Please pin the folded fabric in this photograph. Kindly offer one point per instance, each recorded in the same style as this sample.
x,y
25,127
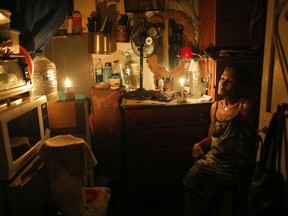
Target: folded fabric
x,y
68,160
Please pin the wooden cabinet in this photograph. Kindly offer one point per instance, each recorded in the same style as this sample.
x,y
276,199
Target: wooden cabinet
x,y
106,123
226,23
158,148
70,117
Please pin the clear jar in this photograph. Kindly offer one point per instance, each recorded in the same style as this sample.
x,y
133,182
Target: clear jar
x,y
44,80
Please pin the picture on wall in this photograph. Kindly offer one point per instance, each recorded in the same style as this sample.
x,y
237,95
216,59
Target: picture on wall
x,y
144,5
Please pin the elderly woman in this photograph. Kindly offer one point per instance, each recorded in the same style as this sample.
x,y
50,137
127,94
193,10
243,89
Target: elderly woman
x,y
231,145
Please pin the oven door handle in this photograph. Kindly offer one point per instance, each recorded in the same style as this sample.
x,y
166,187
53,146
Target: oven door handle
x,y
28,173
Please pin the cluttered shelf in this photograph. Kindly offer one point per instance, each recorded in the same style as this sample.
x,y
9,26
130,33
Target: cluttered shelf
x,y
189,101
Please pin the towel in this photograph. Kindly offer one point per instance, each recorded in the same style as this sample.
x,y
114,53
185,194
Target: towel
x,y
68,160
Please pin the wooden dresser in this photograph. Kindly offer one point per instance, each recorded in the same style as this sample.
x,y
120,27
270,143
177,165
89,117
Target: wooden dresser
x,y
158,148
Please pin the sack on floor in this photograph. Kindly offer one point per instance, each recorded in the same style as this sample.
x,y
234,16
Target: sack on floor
x,y
268,189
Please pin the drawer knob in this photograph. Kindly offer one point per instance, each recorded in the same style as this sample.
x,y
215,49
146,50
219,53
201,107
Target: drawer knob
x,y
201,117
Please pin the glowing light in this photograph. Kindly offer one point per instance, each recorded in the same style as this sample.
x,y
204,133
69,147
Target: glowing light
x,y
182,80
68,83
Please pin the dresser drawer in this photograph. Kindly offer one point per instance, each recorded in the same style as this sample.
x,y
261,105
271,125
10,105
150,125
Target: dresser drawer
x,y
167,116
161,156
169,136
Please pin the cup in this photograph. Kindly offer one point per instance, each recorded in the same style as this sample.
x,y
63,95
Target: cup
x,y
114,83
186,53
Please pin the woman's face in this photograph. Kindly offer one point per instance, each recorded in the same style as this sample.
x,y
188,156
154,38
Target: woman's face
x,y
228,84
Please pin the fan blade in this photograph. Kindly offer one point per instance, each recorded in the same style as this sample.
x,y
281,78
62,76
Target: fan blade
x,y
138,40
153,31
148,50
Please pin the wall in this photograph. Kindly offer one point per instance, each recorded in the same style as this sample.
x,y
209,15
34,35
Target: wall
x,y
70,54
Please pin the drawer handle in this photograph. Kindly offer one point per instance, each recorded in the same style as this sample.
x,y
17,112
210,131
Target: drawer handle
x,y
201,117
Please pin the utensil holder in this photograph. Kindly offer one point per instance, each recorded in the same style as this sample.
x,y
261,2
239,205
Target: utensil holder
x,y
122,33
99,43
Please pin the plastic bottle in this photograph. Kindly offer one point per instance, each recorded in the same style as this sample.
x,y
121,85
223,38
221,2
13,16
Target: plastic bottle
x,y
107,72
98,71
127,74
115,80
44,80
116,70
69,23
195,86
76,23
187,76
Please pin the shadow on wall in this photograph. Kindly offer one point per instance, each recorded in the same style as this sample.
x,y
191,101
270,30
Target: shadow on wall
x,y
72,60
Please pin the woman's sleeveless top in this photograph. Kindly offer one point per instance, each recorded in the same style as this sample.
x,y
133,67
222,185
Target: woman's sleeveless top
x,y
231,148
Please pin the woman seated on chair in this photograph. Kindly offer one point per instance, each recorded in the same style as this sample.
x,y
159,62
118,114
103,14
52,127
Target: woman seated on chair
x,y
231,144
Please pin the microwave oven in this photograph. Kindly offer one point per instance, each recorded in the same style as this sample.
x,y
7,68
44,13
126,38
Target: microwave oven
x,y
24,126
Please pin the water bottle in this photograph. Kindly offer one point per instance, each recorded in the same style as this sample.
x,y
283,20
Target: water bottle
x,y
127,73
116,69
107,72
195,86
115,79
44,80
98,71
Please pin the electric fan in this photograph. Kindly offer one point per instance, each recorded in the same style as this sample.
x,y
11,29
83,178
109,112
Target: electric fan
x,y
145,40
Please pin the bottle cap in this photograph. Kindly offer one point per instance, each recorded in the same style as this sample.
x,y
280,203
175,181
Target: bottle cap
x,y
108,64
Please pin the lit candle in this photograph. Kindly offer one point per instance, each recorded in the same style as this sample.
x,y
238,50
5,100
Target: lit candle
x,y
182,80
69,90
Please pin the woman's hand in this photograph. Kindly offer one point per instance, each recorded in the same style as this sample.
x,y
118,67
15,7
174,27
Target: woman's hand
x,y
197,151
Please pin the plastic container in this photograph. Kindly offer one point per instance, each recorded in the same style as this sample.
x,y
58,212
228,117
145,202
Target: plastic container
x,y
69,23
186,53
44,80
115,80
195,81
107,72
76,23
122,33
127,74
116,69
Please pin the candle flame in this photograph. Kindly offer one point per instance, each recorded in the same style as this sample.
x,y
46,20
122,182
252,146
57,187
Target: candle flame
x,y
182,80
68,83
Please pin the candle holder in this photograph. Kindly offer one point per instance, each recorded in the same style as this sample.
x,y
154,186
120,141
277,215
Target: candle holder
x,y
182,99
69,93
69,90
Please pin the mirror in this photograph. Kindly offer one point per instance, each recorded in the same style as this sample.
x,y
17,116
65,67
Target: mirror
x,y
182,22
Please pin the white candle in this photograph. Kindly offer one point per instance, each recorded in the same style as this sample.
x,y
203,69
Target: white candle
x,y
69,90
182,80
